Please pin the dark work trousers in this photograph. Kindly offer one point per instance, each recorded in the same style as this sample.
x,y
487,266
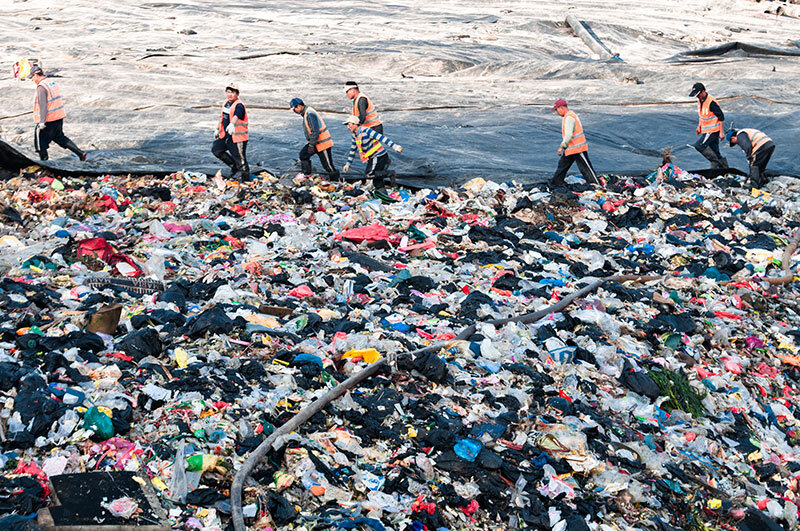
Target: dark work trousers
x,y
759,164
708,140
54,132
231,153
584,165
325,157
376,166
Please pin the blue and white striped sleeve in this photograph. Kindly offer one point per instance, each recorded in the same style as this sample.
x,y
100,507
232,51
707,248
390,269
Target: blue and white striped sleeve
x,y
379,137
352,153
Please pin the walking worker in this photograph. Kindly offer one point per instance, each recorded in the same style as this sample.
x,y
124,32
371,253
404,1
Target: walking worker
x,y
363,107
231,135
573,147
711,126
370,147
48,115
318,139
757,147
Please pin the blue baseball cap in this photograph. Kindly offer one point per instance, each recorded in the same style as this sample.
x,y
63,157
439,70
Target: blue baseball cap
x,y
295,102
729,135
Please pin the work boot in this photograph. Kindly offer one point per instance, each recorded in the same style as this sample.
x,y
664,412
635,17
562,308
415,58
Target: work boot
x,y
305,167
334,176
227,159
755,177
242,167
70,145
712,157
43,154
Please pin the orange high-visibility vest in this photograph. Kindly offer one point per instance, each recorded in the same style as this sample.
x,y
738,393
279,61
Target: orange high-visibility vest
x,y
757,138
373,147
577,143
55,106
371,119
240,128
708,120
324,140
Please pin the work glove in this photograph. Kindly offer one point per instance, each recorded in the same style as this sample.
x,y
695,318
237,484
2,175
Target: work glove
x,y
42,126
216,133
346,168
311,149
397,148
229,129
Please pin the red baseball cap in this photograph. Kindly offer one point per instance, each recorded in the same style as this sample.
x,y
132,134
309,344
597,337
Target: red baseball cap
x,y
559,103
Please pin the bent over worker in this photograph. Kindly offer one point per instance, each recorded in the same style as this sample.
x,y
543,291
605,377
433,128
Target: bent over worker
x,y
710,127
231,135
758,148
48,115
318,138
369,145
573,147
363,107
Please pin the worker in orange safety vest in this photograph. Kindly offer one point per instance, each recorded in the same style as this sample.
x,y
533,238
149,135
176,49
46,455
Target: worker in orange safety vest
x,y
318,139
231,134
573,147
758,148
48,115
710,126
363,107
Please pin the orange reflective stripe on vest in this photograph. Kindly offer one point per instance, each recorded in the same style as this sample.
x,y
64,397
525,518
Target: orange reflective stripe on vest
x,y
371,119
708,120
577,144
55,105
240,128
324,140
757,138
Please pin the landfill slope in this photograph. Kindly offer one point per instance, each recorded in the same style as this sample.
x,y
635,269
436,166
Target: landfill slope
x,y
168,325
466,86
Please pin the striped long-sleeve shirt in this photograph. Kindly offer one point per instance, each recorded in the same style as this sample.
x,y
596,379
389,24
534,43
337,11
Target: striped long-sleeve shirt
x,y
368,143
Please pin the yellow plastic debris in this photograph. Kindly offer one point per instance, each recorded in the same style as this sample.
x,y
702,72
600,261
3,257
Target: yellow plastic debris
x,y
181,358
370,355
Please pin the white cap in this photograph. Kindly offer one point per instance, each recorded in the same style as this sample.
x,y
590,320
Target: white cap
x,y
351,120
233,86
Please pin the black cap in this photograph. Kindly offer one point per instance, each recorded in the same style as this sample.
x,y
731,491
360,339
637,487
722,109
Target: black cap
x,y
37,70
697,88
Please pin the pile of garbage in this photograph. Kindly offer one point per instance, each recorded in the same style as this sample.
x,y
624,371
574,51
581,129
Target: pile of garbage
x,y
167,326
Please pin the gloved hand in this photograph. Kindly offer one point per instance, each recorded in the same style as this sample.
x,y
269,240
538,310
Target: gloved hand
x,y
216,133
698,130
346,168
397,148
311,149
42,126
229,129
